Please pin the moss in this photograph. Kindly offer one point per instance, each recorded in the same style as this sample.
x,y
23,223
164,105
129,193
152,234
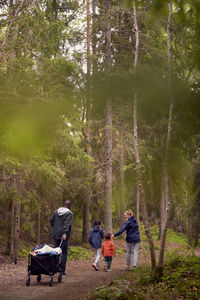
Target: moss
x,y
120,289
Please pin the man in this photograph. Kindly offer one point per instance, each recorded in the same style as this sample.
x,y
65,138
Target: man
x,y
61,222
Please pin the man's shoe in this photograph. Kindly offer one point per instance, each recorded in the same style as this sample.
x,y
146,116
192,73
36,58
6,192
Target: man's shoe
x,y
64,274
95,267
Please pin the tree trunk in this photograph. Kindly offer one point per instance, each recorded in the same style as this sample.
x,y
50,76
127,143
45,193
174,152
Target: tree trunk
x,y
16,231
17,220
39,226
148,232
166,197
86,213
108,131
94,39
135,127
12,17
9,247
122,205
162,208
108,169
139,189
137,157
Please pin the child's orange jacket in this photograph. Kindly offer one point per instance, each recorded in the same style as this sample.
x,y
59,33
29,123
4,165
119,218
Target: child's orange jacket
x,y
108,248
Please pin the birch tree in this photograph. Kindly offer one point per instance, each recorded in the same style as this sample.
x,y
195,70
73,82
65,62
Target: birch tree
x,y
139,188
165,200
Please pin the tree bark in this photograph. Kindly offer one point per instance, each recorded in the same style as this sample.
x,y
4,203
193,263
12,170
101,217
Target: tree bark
x,y
94,42
148,232
86,213
17,220
108,169
166,198
122,205
9,247
137,157
39,226
108,130
12,16
135,126
16,231
139,189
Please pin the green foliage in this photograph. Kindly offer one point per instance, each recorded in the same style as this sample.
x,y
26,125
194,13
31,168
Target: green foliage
x,y
183,269
119,289
120,251
180,279
80,253
44,109
172,236
23,253
176,237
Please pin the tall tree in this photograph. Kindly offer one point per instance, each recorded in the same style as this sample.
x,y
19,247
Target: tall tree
x,y
139,185
108,127
165,200
86,215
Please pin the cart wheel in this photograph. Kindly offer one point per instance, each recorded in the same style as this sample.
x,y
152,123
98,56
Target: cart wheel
x,y
39,278
28,281
51,282
60,277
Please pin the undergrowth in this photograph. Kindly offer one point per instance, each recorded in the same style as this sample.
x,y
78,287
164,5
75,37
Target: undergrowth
x,y
172,236
74,252
180,277
78,252
180,280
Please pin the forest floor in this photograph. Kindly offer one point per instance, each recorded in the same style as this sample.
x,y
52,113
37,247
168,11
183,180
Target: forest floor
x,y
81,278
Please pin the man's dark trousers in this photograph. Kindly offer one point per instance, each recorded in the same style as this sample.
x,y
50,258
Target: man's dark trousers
x,y
64,248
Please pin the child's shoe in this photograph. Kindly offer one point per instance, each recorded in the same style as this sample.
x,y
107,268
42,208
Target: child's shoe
x,y
95,267
109,270
127,268
105,267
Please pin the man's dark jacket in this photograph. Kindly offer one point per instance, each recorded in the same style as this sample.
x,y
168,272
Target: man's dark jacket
x,y
61,222
132,231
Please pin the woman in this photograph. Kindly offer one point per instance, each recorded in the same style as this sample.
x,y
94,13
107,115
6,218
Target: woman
x,y
132,237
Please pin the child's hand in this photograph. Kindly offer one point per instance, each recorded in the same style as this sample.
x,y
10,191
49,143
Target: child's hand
x,y
112,236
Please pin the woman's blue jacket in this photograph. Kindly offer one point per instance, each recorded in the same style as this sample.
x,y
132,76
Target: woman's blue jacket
x,y
132,231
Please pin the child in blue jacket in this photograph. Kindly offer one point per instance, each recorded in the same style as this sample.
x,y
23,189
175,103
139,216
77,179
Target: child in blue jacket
x,y
95,240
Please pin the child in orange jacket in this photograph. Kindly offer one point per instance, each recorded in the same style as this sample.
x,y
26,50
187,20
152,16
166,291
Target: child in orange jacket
x,y
108,249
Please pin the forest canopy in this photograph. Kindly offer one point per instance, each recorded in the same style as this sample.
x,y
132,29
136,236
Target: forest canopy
x,y
99,104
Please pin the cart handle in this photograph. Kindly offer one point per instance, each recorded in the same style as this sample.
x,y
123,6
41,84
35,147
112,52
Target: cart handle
x,y
60,244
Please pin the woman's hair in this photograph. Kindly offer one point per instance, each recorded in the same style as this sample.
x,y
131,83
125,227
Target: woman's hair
x,y
107,236
129,212
97,223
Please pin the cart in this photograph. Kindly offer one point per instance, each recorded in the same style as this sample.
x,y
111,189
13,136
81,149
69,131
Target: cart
x,y
47,264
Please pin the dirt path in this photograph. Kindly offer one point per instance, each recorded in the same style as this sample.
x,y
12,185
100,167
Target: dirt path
x,y
81,279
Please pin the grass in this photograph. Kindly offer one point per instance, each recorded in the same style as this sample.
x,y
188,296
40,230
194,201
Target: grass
x,y
79,252
172,236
